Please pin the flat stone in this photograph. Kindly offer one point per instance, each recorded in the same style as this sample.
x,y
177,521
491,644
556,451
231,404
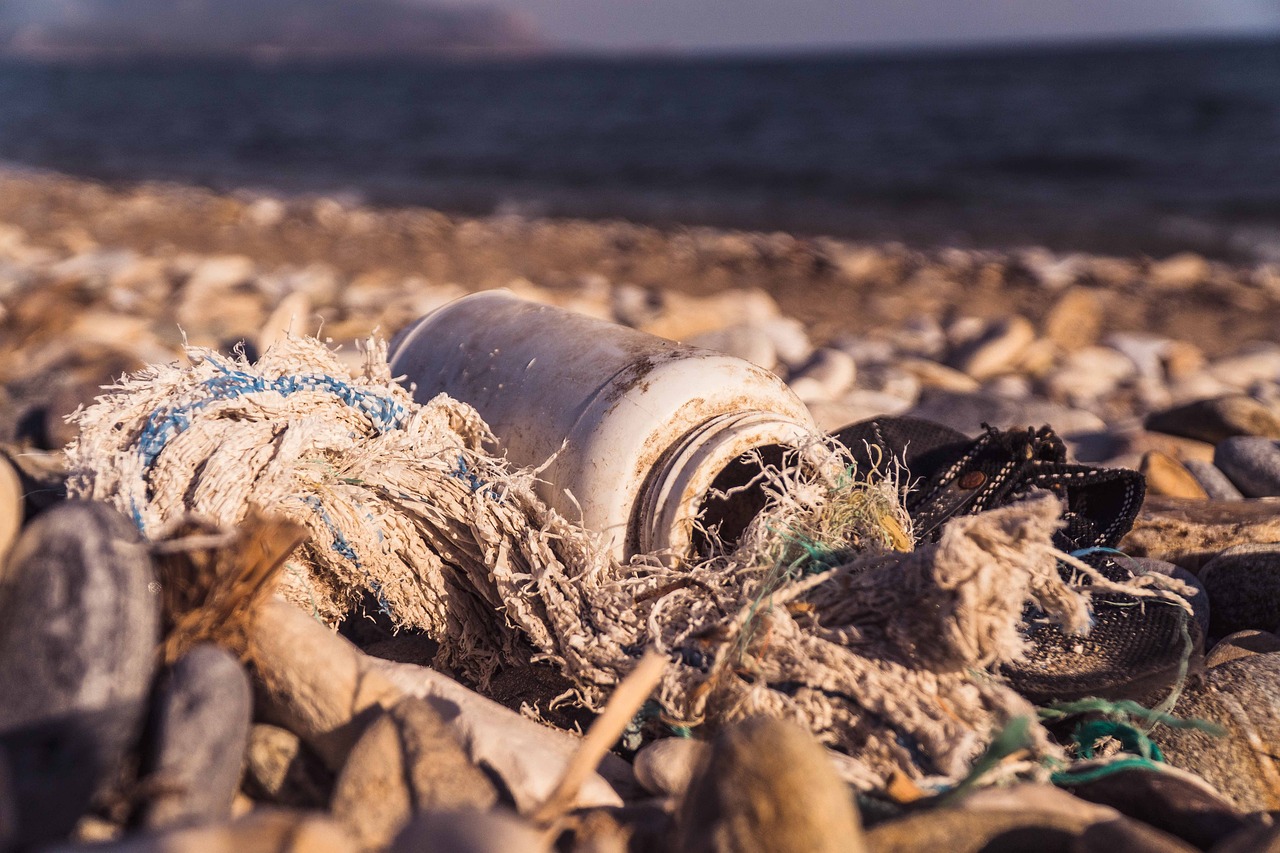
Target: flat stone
x,y
1240,696
1178,272
767,785
968,412
998,350
1215,483
1191,532
199,731
1252,463
1244,588
666,766
1088,374
855,407
790,340
931,374
1168,477
1242,644
1243,370
1217,419
79,623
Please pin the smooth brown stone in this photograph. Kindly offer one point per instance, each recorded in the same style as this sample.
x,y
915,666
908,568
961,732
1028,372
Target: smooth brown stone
x,y
1217,419
1168,477
1242,644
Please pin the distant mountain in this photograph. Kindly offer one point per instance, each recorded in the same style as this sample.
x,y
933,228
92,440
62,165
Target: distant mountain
x,y
258,29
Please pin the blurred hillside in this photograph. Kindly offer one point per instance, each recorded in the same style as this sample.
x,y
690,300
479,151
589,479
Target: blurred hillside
x,y
275,29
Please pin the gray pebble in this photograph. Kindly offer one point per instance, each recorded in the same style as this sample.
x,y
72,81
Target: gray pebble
x,y
199,731
967,413
1212,480
1252,463
78,628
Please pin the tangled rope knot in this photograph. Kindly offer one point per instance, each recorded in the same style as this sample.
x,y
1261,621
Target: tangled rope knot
x,y
888,657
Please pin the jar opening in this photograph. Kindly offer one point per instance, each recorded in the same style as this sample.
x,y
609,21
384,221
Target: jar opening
x,y
735,498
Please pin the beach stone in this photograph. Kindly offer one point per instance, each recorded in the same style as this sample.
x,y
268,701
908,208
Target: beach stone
x,y
747,342
1242,644
931,374
1088,374
280,769
635,306
406,761
1217,419
1215,483
495,831
199,732
1247,368
1244,588
1178,272
1042,817
1075,320
1241,696
855,407
666,766
998,350
11,507
828,375
1168,477
791,342
968,412
922,337
1009,387
261,831
1172,802
1189,533
79,623
1251,463
1140,441
889,379
767,787
867,351
291,316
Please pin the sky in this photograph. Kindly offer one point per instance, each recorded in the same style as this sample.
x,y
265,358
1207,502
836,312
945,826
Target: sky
x,y
822,24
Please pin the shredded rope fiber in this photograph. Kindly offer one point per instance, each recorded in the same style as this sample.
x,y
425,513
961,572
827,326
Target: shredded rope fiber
x,y
817,614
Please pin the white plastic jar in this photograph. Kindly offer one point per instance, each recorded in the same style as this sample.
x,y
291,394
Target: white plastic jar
x,y
641,428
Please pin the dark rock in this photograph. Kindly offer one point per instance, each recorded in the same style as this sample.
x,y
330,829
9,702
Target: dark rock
x,y
199,731
78,629
1215,483
1189,533
1171,802
1253,464
1244,588
767,786
1241,697
1241,644
1217,419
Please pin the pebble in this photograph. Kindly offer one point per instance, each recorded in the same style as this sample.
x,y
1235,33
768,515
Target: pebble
x,y
11,508
405,761
1075,320
1168,477
198,734
495,831
967,413
1251,463
281,770
1243,583
1244,369
1217,419
1178,272
827,376
666,766
791,342
1240,696
1173,802
78,629
1242,644
931,374
1212,480
1088,374
767,787
1189,533
998,350
262,831
748,342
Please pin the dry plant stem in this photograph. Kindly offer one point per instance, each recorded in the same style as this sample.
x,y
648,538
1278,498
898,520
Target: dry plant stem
x,y
604,732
